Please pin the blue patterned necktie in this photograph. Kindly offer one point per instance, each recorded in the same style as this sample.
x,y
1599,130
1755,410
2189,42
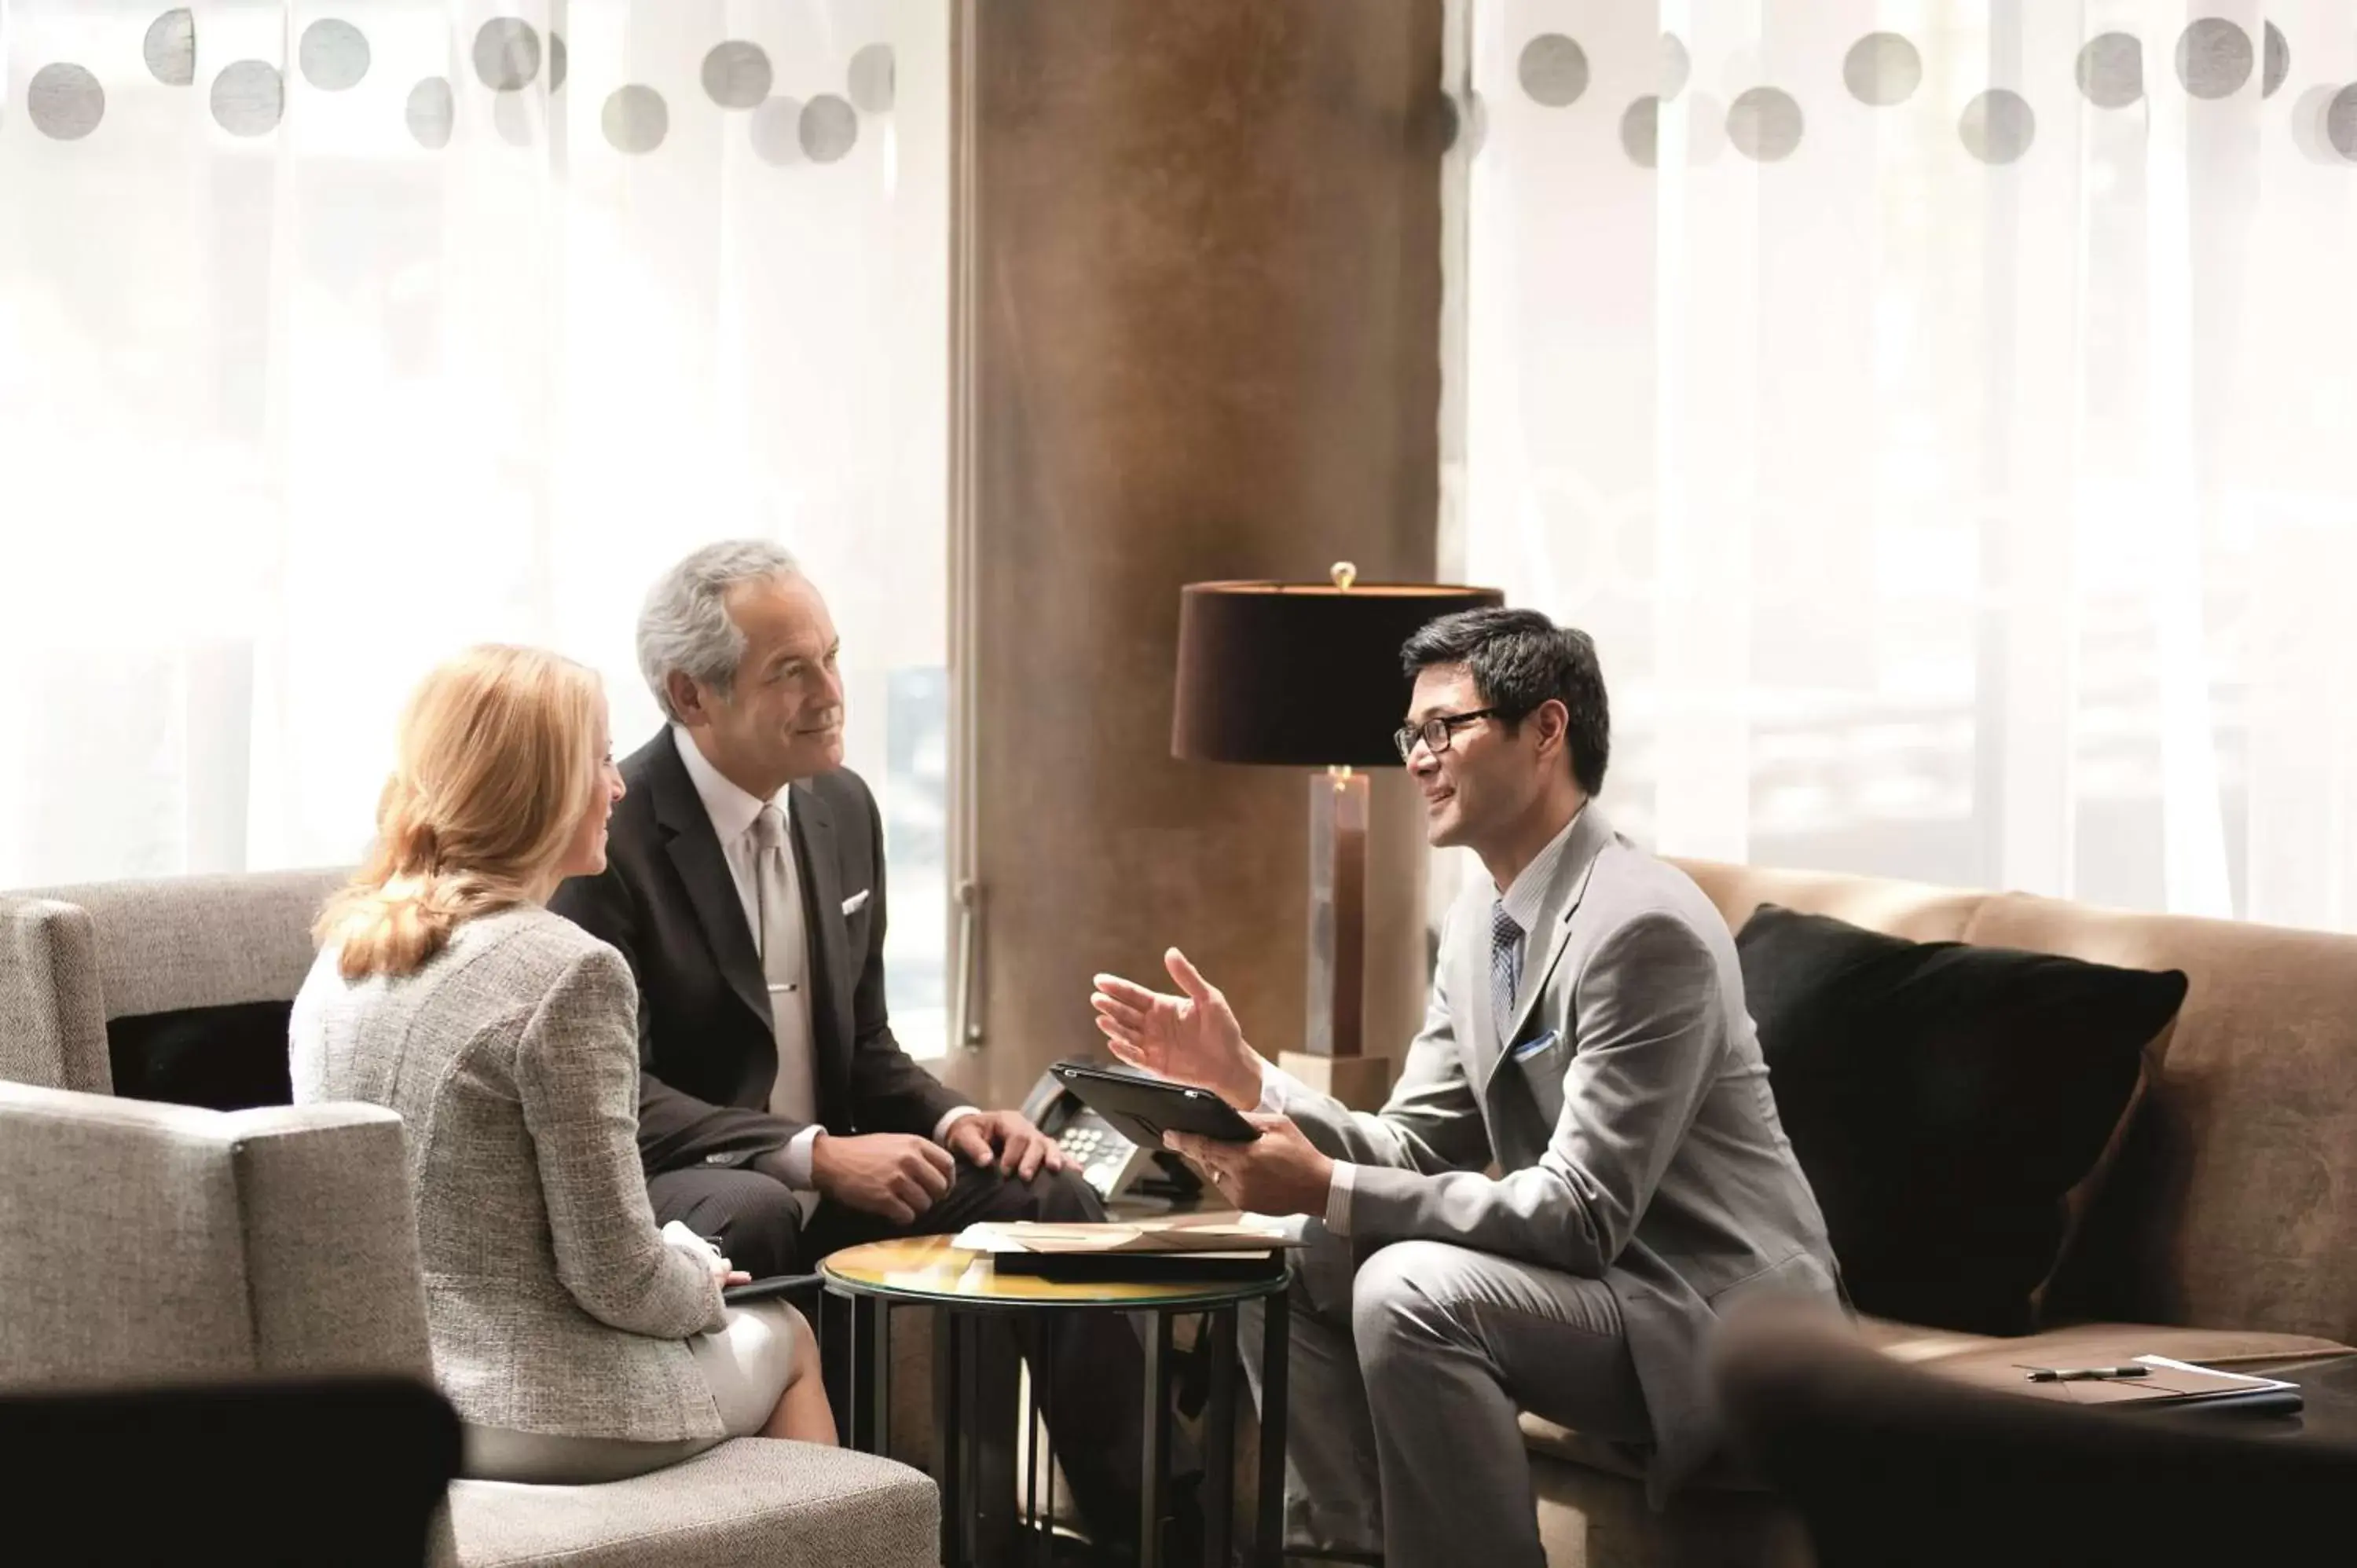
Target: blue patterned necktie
x,y
1505,965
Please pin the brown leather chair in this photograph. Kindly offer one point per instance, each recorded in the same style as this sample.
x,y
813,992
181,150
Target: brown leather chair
x,y
1892,1463
301,1470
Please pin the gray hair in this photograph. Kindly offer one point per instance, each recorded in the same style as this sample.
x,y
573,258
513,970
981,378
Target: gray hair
x,y
684,624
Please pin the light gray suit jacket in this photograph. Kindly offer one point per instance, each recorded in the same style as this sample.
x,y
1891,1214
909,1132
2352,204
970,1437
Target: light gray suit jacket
x,y
512,1056
1639,1148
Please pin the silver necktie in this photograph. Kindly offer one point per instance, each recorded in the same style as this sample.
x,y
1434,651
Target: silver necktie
x,y
785,965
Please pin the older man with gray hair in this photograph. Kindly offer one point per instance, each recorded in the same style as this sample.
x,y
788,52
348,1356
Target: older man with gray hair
x,y
745,884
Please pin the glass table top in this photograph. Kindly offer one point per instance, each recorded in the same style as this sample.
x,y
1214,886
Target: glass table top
x,y
928,1268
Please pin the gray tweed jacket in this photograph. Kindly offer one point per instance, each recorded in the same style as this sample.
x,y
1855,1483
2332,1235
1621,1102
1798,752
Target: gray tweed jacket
x,y
555,1304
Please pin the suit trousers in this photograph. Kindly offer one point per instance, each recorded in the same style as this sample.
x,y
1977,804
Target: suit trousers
x,y
1409,1364
1094,1399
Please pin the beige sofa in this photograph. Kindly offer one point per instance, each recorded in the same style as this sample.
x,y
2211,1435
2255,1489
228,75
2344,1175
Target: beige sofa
x,y
2233,1205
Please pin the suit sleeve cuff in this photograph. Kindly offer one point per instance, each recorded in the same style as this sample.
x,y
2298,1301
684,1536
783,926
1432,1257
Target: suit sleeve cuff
x,y
794,1159
1337,1198
950,1118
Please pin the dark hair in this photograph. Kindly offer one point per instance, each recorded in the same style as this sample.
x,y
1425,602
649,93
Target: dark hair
x,y
1518,659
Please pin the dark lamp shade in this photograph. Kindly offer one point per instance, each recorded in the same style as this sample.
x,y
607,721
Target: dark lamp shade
x,y
1303,674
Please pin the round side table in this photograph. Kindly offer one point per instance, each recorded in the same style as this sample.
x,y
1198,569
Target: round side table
x,y
964,1289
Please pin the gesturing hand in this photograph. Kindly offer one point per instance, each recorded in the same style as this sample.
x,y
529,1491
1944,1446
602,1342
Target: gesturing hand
x,y
1192,1039
896,1174
1008,1139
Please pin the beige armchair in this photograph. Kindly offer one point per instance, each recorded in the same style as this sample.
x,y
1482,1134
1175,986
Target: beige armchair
x,y
146,1243
281,1241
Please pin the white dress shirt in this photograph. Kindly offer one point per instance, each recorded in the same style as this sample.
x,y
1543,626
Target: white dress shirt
x,y
733,811
1522,901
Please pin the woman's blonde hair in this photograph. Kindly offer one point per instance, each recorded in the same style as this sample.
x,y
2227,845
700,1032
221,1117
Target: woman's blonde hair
x,y
498,758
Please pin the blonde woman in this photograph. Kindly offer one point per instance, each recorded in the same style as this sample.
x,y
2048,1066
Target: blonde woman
x,y
578,1342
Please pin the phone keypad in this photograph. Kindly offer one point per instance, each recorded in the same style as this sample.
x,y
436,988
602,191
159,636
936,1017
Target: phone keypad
x,y
1097,1151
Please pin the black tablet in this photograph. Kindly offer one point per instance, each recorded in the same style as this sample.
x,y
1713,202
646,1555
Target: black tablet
x,y
1142,1109
774,1285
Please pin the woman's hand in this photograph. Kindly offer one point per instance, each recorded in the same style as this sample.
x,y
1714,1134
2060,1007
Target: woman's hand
x,y
724,1272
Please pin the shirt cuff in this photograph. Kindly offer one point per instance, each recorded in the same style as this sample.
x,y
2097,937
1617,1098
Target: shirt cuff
x,y
950,1118
794,1159
1337,1198
1279,1089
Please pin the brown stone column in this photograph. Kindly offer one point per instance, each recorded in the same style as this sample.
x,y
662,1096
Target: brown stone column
x,y
1203,339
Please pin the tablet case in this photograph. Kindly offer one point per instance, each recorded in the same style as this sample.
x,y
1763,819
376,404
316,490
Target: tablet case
x,y
1142,1109
1174,1268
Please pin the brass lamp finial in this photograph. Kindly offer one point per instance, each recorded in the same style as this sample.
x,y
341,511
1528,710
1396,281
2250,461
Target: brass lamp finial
x,y
1345,574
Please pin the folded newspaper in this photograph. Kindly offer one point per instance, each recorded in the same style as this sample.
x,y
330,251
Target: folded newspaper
x,y
1224,1233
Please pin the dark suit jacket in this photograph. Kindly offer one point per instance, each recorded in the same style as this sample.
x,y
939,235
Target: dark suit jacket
x,y
708,1052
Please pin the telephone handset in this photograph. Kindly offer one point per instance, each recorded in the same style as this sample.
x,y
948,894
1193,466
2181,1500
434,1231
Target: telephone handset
x,y
1108,1162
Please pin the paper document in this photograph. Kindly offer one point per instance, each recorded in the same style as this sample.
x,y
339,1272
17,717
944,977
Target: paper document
x,y
2162,1382
1250,1233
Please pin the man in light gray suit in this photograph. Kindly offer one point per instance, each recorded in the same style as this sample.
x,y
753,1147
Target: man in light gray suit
x,y
1587,1040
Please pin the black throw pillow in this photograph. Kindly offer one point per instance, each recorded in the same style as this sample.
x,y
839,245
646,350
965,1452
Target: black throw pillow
x,y
1942,1099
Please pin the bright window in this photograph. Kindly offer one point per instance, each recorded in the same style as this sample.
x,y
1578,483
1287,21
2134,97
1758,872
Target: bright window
x,y
333,338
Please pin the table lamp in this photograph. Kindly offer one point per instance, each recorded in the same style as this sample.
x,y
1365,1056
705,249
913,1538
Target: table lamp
x,y
1308,675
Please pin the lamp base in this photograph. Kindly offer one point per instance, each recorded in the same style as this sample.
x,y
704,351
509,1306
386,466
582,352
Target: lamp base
x,y
1359,1082
1333,1025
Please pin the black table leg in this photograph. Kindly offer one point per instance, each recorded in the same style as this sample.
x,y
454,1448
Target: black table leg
x,y
1268,1542
871,1362
836,1312
982,1520
1157,1446
1041,1435
949,1439
1220,1439
992,1412
1031,1466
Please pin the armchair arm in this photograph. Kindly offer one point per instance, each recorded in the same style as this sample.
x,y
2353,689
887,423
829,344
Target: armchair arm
x,y
330,1240
52,1018
278,1241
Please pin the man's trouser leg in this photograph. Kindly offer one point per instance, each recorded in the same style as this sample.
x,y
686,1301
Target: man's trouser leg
x,y
753,1216
1452,1344
1408,1373
1330,1498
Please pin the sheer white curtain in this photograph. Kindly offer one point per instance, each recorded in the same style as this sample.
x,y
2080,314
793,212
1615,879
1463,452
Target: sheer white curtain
x,y
1940,412
334,336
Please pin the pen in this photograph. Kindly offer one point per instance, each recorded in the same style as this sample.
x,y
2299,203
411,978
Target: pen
x,y
2083,1374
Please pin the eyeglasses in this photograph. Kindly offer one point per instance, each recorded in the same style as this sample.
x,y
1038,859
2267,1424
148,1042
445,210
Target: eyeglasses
x,y
1435,731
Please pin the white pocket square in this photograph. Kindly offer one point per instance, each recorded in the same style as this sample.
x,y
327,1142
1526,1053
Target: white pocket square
x,y
857,902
